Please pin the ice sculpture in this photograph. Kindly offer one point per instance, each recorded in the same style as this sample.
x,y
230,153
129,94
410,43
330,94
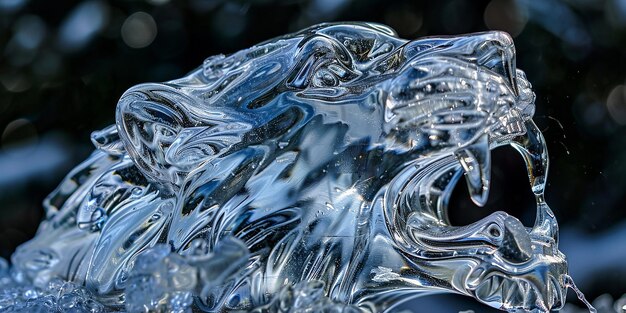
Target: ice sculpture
x,y
311,170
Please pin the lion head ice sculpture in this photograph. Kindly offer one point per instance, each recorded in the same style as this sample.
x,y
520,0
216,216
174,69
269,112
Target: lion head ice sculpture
x,y
331,154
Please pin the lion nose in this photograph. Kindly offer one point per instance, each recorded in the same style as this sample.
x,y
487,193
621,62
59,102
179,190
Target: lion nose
x,y
493,50
516,243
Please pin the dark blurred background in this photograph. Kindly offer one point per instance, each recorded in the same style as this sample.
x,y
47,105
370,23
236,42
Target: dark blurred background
x,y
64,64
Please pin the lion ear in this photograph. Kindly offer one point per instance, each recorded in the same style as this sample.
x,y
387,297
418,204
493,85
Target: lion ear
x,y
149,118
313,52
167,135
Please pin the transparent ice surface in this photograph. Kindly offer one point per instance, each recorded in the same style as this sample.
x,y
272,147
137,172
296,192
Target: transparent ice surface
x,y
309,172
57,295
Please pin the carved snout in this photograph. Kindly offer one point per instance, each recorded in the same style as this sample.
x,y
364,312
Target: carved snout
x,y
516,243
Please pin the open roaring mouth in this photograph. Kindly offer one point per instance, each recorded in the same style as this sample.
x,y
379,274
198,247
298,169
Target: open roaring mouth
x,y
481,95
498,260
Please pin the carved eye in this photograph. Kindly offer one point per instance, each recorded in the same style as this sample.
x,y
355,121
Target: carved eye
x,y
325,78
494,231
164,132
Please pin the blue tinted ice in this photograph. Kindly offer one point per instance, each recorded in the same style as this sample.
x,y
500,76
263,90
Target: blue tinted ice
x,y
311,171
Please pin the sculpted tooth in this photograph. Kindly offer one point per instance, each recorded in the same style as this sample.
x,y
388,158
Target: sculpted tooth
x,y
504,289
476,162
529,296
494,288
532,147
511,293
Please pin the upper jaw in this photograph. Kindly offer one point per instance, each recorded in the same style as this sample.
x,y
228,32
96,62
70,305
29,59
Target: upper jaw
x,y
510,122
493,51
507,125
468,83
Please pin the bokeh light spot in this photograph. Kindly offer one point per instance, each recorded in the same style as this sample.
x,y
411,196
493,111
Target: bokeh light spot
x,y
139,30
616,104
30,31
158,2
405,20
232,16
11,5
19,132
15,82
506,15
457,16
81,24
615,11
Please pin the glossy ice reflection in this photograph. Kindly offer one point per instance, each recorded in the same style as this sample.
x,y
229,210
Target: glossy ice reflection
x,y
309,171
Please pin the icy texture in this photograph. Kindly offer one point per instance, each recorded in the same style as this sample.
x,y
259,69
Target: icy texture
x,y
57,295
305,297
322,160
162,281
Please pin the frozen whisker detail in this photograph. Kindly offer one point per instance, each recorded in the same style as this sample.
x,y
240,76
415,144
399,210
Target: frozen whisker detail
x,y
309,172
